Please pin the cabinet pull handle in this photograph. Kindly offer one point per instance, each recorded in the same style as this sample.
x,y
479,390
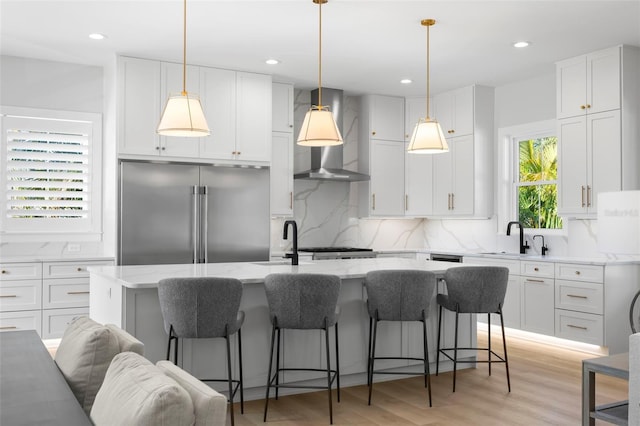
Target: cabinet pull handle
x,y
406,202
4,271
79,269
583,107
582,195
239,153
163,148
157,148
536,269
577,272
577,326
449,201
577,296
534,281
588,105
453,201
291,200
452,131
373,133
77,292
8,327
8,296
373,199
588,196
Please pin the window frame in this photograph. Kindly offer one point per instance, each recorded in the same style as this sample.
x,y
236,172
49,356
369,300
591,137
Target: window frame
x,y
90,228
508,172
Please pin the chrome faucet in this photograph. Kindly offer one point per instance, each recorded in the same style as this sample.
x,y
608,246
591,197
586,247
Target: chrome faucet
x,y
294,254
523,244
543,248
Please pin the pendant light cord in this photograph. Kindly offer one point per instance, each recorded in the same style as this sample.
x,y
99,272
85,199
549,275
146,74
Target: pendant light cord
x,y
428,66
184,50
320,55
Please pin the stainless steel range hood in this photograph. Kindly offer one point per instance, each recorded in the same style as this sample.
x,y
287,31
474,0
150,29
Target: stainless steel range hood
x,y
326,162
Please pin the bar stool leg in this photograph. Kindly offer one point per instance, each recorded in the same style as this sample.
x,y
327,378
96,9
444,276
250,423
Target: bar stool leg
x,y
504,344
373,358
427,381
326,340
241,375
455,351
278,364
269,377
337,362
438,351
489,337
369,352
229,378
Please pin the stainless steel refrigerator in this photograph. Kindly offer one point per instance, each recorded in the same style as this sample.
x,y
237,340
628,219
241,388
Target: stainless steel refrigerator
x,y
185,213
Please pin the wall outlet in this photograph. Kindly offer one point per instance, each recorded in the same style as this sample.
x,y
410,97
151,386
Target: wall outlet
x,y
73,248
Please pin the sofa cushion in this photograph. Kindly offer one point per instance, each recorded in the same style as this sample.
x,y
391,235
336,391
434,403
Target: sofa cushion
x,y
83,357
126,342
136,392
210,407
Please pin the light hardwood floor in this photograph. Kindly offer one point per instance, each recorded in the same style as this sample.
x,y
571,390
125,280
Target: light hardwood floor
x,y
545,390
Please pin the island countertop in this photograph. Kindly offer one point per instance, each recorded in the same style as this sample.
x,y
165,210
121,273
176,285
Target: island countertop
x,y
147,276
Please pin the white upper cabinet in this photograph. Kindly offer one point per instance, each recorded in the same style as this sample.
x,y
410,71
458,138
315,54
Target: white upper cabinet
x,y
454,111
282,151
463,177
139,106
598,128
282,111
418,172
218,96
381,158
253,119
237,106
588,84
171,84
386,118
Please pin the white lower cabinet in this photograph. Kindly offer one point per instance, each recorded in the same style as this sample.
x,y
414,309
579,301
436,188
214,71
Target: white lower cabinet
x,y
537,304
44,296
587,328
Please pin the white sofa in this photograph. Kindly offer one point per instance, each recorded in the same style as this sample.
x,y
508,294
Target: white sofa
x,y
634,379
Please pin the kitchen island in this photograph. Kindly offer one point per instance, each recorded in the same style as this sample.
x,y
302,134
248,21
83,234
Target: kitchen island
x,y
127,296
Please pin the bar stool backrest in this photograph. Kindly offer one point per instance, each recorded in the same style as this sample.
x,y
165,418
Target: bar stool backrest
x,y
302,301
399,295
477,289
200,307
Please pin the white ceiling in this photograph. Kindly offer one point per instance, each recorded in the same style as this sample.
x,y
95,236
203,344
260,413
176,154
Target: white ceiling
x,y
368,46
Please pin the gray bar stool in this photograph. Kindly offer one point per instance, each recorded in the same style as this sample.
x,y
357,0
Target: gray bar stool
x,y
474,290
204,308
398,295
302,302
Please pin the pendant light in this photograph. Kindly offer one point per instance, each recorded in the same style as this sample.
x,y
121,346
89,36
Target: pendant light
x,y
182,114
319,127
427,136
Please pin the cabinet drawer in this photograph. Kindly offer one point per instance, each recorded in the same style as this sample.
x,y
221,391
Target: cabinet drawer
x,y
24,320
583,297
65,293
20,295
575,272
20,271
55,321
512,265
537,269
70,269
587,328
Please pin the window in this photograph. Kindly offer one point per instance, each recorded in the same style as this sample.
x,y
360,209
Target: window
x,y
527,176
536,182
51,170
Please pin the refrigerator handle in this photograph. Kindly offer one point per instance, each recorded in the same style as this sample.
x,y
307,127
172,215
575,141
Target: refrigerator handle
x,y
204,219
196,223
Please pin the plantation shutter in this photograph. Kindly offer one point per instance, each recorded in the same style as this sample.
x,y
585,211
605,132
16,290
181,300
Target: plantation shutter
x,y
48,179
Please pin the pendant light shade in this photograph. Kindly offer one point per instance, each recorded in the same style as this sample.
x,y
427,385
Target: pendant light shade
x,y
319,127
183,115
427,136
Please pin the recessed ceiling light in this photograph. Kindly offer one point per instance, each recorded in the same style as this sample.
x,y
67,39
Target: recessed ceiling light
x,y
272,62
97,36
520,44
406,81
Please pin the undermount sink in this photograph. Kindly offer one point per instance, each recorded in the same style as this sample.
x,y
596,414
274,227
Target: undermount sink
x,y
278,262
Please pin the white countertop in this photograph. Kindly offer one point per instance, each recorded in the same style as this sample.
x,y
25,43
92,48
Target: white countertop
x,y
54,258
556,259
147,276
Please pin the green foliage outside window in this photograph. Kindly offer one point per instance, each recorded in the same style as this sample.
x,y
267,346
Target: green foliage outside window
x,y
536,187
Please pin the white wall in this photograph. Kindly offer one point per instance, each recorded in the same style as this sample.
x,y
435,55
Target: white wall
x,y
35,83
